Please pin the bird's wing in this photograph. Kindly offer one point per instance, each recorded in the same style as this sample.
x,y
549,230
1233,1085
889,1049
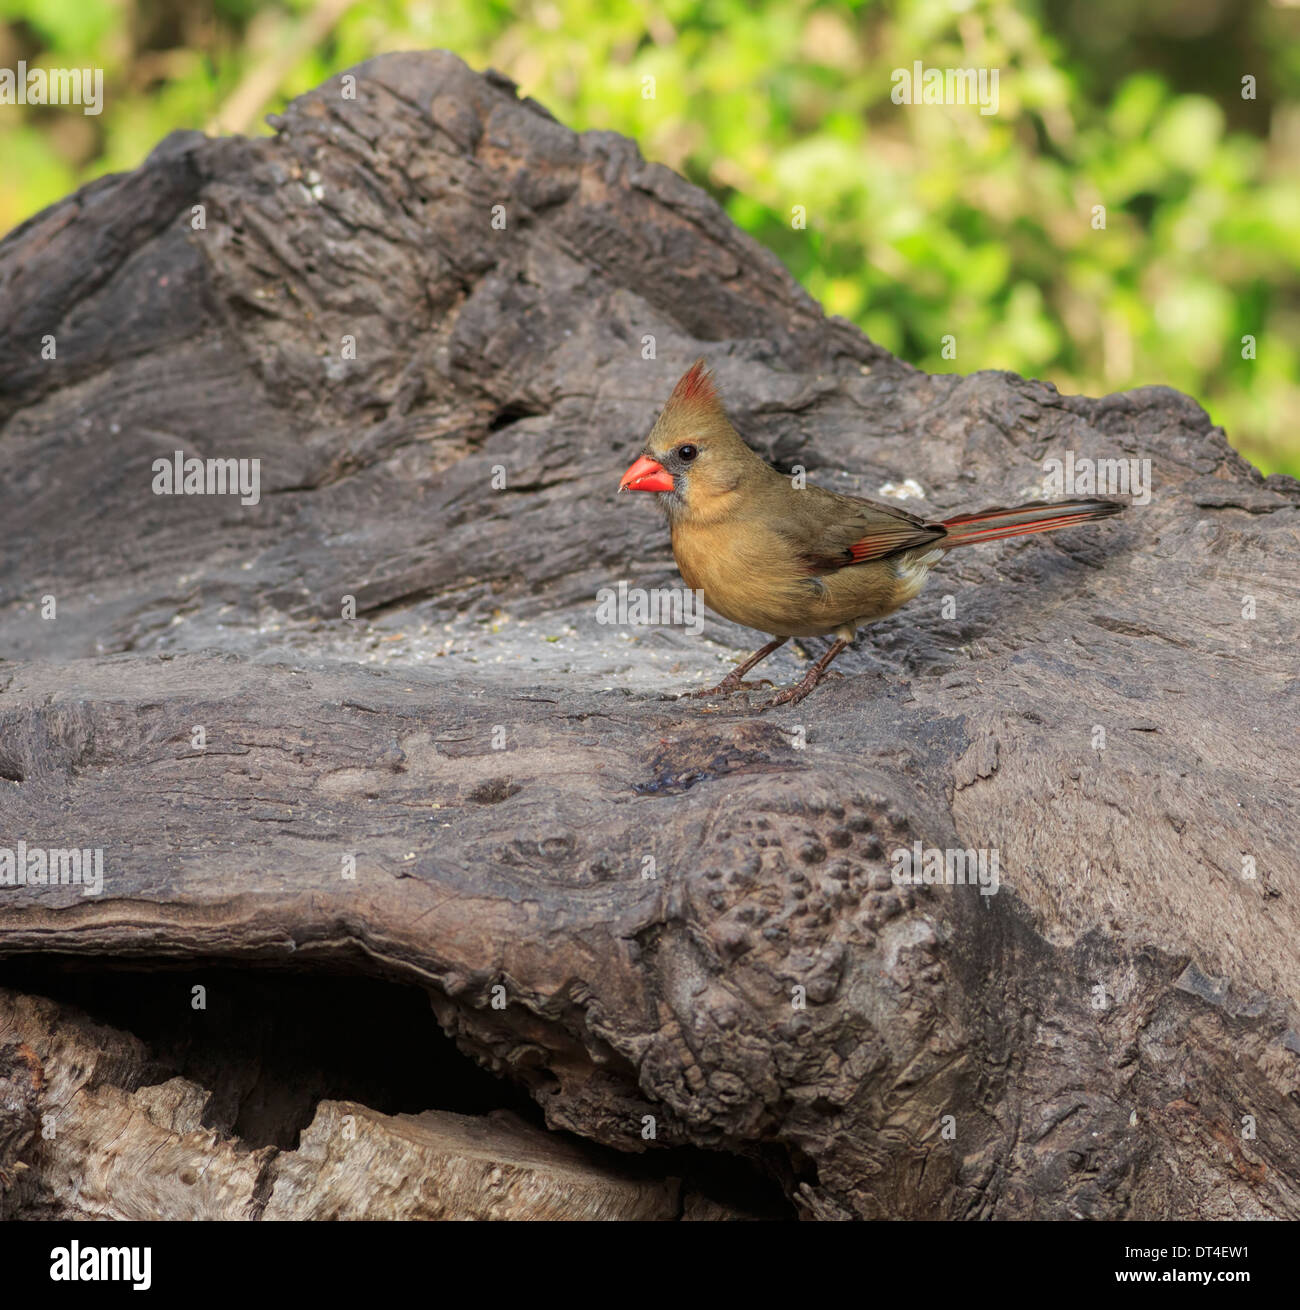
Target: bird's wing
x,y
830,531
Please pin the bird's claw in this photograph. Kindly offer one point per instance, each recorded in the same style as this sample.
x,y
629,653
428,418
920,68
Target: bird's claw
x,y
726,688
793,695
790,696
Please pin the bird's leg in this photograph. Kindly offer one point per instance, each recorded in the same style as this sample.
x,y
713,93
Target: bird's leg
x,y
793,695
733,680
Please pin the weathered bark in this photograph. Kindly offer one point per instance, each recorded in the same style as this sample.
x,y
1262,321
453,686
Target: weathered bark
x,y
1088,1041
107,1140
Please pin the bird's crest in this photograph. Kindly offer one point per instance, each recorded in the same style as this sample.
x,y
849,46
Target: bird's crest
x,y
695,390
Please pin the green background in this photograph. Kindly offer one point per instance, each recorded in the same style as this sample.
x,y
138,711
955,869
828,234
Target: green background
x,y
922,221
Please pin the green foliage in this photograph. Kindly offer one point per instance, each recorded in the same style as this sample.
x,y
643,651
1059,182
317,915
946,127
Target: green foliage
x,y
923,221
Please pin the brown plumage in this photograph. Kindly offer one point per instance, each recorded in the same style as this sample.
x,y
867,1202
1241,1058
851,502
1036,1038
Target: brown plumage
x,y
797,562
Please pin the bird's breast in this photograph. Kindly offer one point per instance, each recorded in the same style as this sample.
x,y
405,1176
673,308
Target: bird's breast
x,y
736,568
753,576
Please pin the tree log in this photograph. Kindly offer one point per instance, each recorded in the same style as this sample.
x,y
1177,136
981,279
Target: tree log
x,y
673,924
112,1142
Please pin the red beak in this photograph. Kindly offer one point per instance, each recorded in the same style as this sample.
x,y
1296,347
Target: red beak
x,y
646,475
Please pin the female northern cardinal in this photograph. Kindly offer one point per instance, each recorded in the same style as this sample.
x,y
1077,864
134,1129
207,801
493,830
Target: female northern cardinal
x,y
797,562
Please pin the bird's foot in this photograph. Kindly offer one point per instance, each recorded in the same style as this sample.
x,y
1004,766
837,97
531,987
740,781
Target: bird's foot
x,y
793,695
728,686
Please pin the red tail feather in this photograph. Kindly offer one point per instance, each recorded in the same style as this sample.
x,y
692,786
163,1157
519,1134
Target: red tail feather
x,y
1038,516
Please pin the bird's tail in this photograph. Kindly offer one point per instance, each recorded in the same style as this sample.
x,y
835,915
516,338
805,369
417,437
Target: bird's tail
x,y
1038,516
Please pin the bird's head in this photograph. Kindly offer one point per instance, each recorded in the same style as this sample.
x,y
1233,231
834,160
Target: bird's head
x,y
693,457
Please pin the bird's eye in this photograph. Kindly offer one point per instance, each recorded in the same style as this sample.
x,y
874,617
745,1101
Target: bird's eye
x,y
687,453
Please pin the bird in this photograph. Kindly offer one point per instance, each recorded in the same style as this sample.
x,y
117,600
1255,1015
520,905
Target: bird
x,y
791,559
